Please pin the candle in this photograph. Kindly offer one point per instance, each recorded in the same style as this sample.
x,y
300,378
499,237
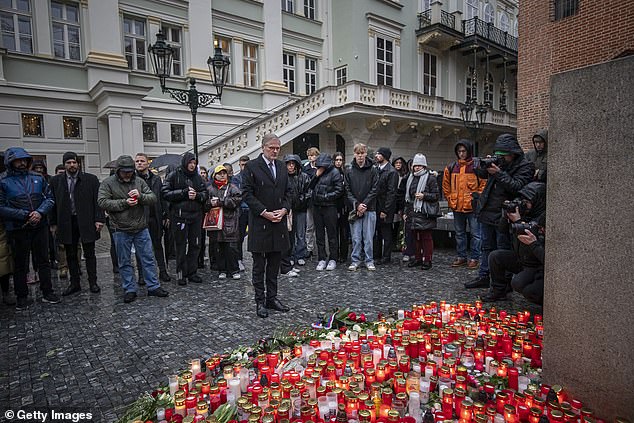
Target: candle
x,y
447,402
234,387
173,384
513,375
195,366
179,406
160,414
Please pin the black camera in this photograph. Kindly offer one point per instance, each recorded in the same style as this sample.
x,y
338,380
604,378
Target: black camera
x,y
486,162
509,206
520,227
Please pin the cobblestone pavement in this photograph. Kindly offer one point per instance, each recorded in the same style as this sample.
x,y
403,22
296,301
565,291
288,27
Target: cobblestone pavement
x,y
94,353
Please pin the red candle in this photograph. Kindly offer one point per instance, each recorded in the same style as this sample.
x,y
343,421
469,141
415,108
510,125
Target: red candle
x,y
447,402
513,375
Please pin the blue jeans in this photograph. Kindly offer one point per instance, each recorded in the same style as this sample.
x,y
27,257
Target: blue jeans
x,y
143,246
362,231
299,229
460,224
492,240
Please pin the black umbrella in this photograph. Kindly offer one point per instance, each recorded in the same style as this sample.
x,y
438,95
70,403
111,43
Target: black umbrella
x,y
166,160
110,165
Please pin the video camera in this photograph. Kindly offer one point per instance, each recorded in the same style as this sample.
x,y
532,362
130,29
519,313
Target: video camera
x,y
486,162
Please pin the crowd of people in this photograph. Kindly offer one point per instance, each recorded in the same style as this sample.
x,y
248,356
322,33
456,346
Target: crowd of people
x,y
294,213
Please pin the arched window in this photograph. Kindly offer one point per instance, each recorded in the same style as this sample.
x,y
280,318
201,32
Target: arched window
x,y
488,90
471,9
471,94
425,5
489,14
504,22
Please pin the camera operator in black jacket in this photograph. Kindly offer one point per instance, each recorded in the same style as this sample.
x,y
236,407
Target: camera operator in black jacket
x,y
507,172
525,221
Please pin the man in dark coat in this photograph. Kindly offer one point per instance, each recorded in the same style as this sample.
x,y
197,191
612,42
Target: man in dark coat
x,y
25,201
77,217
266,190
186,192
539,155
385,206
156,214
504,181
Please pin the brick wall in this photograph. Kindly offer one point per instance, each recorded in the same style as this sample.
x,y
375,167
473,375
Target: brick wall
x,y
600,31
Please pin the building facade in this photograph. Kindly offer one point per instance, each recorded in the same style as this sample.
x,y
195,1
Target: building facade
x,y
561,35
77,75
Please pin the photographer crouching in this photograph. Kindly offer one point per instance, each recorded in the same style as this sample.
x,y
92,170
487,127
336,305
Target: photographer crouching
x,y
525,221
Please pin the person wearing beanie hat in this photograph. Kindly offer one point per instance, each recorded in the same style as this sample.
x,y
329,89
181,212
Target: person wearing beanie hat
x,y
462,187
298,182
385,206
77,218
421,211
69,155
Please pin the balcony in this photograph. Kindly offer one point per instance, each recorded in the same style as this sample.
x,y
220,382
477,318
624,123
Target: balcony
x,y
478,30
437,28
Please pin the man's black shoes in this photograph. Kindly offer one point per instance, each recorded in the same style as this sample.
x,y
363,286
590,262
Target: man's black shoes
x,y
158,292
261,311
23,303
493,296
71,290
94,288
479,282
128,297
182,282
164,277
415,263
277,306
195,279
51,298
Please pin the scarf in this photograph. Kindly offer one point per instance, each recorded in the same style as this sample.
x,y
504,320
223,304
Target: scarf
x,y
422,183
220,184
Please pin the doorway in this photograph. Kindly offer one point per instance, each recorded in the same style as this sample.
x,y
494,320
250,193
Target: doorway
x,y
303,143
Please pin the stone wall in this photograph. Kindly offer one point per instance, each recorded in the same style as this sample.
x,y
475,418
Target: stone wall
x,y
589,287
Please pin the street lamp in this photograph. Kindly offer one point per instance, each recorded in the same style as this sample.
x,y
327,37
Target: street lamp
x,y
162,55
466,113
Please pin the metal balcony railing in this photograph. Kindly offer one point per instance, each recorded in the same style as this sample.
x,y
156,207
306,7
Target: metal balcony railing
x,y
424,19
480,28
447,19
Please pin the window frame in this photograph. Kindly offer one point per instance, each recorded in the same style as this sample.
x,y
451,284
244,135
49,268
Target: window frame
x,y
565,8
18,36
489,13
66,24
471,9
221,42
288,6
155,126
180,127
177,59
310,75
247,74
504,22
81,128
41,118
428,88
310,11
135,38
341,75
289,71
384,62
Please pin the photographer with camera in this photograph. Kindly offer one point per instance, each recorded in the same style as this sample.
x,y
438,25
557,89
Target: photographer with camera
x,y
507,172
525,221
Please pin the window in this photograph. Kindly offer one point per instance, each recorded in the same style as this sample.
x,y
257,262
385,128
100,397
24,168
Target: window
x,y
488,90
309,9
32,125
134,42
505,26
311,75
225,46
72,127
288,66
489,14
178,134
565,8
287,6
503,91
471,86
174,39
341,75
15,20
425,5
66,39
149,132
471,9
384,61
250,63
430,74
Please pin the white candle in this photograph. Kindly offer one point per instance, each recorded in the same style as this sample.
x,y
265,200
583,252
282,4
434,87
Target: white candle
x,y
173,384
414,405
376,355
160,414
487,362
401,314
195,367
244,379
234,387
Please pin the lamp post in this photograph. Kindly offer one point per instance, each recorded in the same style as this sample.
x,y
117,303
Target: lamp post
x,y
162,55
474,125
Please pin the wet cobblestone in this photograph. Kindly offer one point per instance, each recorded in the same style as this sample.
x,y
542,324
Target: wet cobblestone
x,y
94,353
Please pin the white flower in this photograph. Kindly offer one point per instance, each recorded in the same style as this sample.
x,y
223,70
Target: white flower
x,y
356,328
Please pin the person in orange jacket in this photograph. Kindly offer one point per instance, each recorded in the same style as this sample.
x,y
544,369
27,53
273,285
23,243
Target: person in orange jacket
x,y
461,187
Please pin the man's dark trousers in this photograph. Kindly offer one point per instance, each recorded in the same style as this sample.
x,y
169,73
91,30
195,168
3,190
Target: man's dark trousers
x,y
383,239
73,260
186,234
34,241
265,265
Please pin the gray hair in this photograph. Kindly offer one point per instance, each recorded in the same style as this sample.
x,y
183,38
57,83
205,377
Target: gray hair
x,y
268,137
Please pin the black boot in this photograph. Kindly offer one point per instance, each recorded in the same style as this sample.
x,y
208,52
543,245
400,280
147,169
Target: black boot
x,y
493,296
72,288
164,277
479,282
94,288
277,305
261,311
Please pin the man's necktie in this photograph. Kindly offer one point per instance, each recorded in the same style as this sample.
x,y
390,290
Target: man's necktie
x,y
272,169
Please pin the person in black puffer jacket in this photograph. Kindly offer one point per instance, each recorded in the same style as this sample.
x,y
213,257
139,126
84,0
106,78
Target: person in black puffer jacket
x,y
503,183
327,187
526,259
298,181
186,193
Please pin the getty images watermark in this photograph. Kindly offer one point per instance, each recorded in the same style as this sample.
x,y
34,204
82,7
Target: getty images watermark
x,y
58,416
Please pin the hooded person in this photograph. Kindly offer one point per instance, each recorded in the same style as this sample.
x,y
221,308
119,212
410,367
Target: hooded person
x,y
462,187
25,202
186,193
124,196
526,258
327,187
298,181
386,195
504,181
539,154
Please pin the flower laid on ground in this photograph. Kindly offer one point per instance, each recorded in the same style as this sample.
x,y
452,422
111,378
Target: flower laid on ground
x,y
435,362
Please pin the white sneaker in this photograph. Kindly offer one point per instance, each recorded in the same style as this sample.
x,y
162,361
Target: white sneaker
x,y
222,276
295,269
240,265
291,274
405,259
370,266
332,265
301,262
321,265
353,267
236,276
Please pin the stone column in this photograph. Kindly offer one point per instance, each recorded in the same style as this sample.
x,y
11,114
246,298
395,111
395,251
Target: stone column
x,y
300,76
273,78
237,62
200,44
115,134
102,33
42,29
